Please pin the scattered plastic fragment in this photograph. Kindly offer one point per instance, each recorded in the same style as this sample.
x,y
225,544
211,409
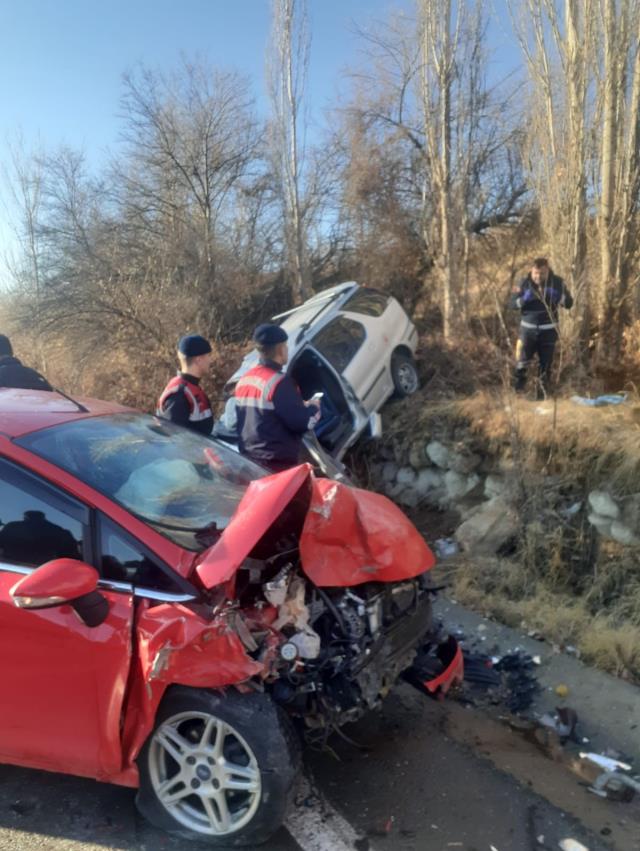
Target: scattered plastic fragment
x,y
568,719
600,401
615,786
562,690
612,783
446,547
563,722
507,679
571,510
572,845
606,762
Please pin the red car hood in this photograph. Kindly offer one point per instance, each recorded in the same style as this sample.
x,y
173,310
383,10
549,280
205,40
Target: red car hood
x,y
350,536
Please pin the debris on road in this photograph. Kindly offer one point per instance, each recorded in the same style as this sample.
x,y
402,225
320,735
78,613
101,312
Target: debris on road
x,y
563,722
606,762
446,547
613,782
437,667
507,680
572,845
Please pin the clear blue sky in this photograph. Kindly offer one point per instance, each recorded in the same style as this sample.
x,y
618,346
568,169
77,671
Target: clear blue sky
x,y
61,61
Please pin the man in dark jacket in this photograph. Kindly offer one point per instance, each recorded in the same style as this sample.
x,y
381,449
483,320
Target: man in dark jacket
x,y
538,297
272,416
183,401
14,374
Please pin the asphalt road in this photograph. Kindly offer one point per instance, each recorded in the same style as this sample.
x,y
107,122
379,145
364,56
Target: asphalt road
x,y
424,777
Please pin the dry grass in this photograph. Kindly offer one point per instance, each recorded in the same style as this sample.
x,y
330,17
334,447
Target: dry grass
x,y
562,578
551,438
499,589
592,443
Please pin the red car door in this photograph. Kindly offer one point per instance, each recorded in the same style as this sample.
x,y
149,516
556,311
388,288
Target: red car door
x,y
62,682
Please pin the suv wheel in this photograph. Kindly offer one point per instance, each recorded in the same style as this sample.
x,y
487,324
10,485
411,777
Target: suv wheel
x,y
404,374
218,768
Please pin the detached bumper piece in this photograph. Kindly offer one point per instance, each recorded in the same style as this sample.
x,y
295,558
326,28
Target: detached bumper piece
x,y
437,668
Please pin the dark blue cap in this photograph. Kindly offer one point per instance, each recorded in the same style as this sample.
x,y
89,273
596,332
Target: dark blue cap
x,y
268,334
192,345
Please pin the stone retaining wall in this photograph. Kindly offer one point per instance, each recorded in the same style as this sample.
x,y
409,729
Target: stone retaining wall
x,y
485,492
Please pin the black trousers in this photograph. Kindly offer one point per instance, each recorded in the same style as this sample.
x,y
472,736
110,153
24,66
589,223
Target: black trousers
x,y
533,342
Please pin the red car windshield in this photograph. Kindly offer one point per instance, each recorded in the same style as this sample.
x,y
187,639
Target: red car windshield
x,y
173,478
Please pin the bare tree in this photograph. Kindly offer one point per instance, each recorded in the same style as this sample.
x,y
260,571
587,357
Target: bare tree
x,y
434,152
191,138
584,148
23,177
558,48
288,60
619,163
177,234
440,37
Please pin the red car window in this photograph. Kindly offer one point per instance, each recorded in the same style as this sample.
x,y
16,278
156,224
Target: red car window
x,y
123,559
34,525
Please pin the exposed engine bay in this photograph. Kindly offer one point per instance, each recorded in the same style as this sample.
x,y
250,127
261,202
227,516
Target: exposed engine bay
x,y
334,652
317,594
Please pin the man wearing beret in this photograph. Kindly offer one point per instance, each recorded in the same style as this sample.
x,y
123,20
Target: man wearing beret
x,y
183,401
272,416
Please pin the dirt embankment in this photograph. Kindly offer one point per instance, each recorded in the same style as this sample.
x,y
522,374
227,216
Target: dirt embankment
x,y
542,500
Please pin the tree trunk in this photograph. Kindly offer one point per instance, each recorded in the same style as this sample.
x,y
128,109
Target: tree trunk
x,y
289,65
608,163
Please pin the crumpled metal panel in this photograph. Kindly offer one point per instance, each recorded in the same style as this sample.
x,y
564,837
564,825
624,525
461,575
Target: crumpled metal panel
x,y
350,536
450,654
178,646
353,536
262,504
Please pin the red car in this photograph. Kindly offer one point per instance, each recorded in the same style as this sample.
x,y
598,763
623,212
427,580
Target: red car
x,y
169,614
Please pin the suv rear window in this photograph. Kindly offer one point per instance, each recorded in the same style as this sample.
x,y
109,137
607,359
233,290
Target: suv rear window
x,y
339,341
366,301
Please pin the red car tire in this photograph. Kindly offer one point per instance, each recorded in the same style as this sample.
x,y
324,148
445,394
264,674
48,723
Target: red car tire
x,y
218,767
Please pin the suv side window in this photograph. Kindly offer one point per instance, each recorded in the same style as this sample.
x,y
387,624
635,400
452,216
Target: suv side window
x,y
123,559
339,341
366,301
38,522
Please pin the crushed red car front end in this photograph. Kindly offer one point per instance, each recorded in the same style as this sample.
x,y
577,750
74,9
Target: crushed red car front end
x,y
318,594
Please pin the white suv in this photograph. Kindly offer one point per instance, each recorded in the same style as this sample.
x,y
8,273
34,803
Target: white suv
x,y
353,344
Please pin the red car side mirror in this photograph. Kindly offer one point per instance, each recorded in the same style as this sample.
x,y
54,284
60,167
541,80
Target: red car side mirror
x,y
54,583
63,580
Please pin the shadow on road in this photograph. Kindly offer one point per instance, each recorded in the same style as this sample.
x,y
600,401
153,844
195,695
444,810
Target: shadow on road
x,y
56,812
